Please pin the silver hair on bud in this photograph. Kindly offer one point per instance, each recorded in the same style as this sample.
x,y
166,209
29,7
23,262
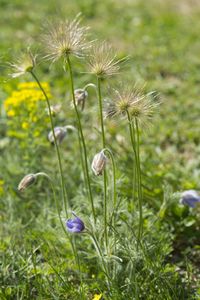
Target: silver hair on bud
x,y
80,97
30,179
99,163
26,182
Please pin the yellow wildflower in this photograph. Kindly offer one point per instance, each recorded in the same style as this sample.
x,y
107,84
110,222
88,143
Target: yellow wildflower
x,y
1,186
25,125
97,297
11,113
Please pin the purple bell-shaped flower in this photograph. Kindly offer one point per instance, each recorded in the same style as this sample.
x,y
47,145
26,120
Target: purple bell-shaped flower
x,y
190,198
75,225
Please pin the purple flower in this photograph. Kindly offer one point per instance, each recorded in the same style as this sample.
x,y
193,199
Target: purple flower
x,y
190,198
75,225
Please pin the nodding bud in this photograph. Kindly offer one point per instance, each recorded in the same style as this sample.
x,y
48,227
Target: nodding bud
x,y
60,133
55,109
26,182
99,163
190,198
80,97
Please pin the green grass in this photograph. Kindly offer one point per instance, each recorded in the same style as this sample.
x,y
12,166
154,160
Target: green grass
x,y
161,39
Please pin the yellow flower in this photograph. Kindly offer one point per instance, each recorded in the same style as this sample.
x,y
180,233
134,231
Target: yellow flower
x,y
11,113
1,187
25,125
97,297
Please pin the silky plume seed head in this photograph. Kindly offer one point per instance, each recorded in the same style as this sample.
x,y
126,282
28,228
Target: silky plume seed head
x,y
99,163
103,61
26,182
132,101
64,38
24,64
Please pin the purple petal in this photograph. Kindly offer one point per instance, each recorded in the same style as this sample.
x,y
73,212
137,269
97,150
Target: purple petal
x,y
75,225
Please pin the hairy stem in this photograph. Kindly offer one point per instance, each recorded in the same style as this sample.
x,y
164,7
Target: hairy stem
x,y
82,137
135,145
64,196
103,145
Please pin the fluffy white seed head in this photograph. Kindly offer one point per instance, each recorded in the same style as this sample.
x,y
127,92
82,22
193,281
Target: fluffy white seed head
x,y
65,38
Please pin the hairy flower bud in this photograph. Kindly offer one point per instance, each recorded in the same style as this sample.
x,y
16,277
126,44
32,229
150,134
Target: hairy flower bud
x,y
55,109
60,133
26,182
75,225
190,198
99,163
80,97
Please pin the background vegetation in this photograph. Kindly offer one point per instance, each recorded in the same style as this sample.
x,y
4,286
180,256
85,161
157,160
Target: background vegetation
x,y
162,41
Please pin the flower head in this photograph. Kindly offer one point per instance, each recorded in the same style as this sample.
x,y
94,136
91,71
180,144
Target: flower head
x,y
132,101
75,225
103,62
190,198
97,296
60,133
80,97
25,64
64,38
26,182
99,163
55,109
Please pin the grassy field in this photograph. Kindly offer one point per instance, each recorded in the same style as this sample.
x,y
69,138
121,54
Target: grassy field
x,y
40,260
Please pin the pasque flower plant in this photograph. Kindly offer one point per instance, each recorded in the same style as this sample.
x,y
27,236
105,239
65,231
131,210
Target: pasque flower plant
x,y
106,223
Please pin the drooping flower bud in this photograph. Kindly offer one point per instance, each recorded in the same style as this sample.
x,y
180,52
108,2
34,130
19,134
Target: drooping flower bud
x,y
190,198
60,133
55,109
80,97
99,163
26,182
75,225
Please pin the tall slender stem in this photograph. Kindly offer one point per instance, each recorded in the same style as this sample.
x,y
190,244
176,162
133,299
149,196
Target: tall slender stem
x,y
135,141
82,136
103,145
55,142
140,196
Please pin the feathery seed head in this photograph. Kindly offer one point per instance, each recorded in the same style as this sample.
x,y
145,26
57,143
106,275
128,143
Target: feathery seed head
x,y
64,38
25,64
132,101
103,62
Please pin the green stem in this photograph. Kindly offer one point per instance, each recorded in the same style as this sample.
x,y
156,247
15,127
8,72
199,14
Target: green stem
x,y
114,194
72,241
97,246
82,137
114,186
140,196
103,145
135,145
55,142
